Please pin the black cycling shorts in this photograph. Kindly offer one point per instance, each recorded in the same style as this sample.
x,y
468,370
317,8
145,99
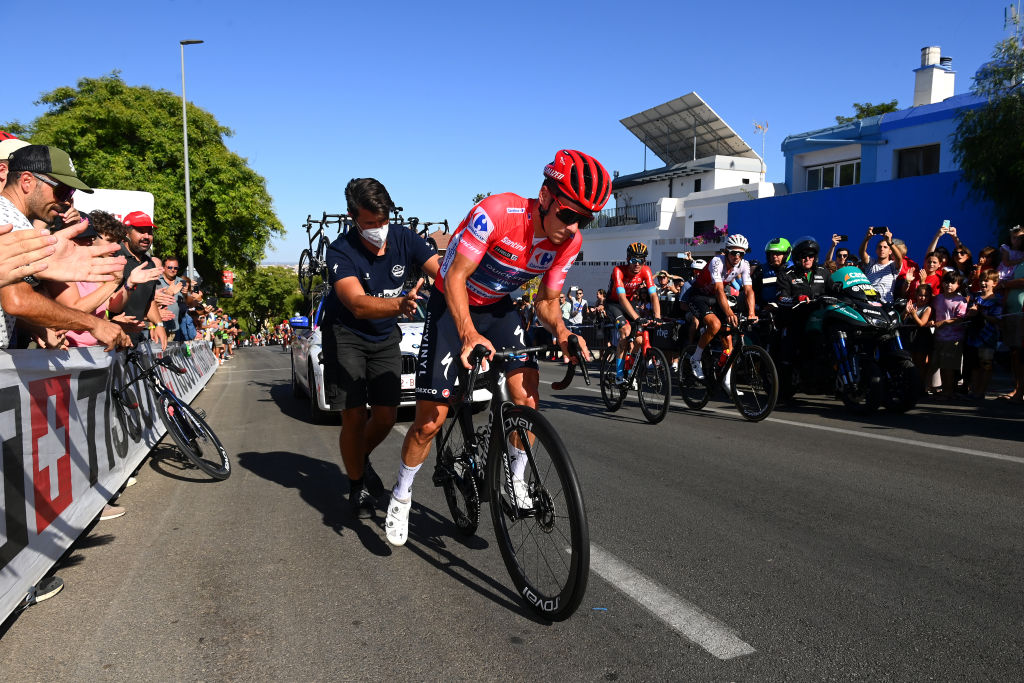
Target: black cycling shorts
x,y
359,372
617,314
438,366
701,305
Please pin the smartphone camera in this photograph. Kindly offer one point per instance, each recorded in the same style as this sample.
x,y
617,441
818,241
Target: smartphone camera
x,y
879,230
843,238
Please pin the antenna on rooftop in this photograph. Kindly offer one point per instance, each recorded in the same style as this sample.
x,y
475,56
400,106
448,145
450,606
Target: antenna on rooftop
x,y
1011,16
762,130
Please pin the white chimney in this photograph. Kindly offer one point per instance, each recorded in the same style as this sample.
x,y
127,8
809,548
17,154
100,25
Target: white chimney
x,y
933,81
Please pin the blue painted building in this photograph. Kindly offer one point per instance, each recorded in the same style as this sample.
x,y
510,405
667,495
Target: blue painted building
x,y
895,169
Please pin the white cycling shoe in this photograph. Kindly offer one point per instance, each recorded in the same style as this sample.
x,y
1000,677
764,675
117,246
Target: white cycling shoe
x,y
522,491
696,367
396,526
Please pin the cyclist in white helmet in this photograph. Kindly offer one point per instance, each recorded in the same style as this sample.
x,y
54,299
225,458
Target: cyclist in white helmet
x,y
716,291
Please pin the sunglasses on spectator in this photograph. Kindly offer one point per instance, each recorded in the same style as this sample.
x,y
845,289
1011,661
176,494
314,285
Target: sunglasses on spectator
x,y
636,261
171,267
570,216
736,252
842,255
960,252
61,192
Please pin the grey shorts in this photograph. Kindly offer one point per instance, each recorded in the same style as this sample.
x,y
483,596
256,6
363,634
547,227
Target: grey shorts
x,y
358,372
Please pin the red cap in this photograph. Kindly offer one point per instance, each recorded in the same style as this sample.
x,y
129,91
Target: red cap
x,y
138,219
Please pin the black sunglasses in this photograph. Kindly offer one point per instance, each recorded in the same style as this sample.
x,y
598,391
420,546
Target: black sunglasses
x,y
569,216
170,267
61,192
736,252
637,261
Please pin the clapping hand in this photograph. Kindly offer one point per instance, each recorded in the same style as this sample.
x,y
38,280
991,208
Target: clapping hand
x,y
22,253
74,263
408,305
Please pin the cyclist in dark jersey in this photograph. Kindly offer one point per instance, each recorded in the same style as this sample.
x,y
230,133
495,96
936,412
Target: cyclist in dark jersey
x,y
503,243
625,287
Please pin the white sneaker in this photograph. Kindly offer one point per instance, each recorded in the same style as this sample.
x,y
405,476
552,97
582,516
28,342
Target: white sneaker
x,y
696,367
727,381
396,526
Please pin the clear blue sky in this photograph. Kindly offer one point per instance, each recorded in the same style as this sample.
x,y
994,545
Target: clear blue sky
x,y
443,100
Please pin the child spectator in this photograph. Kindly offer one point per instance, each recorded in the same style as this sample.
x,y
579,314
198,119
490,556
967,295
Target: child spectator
x,y
988,259
983,333
929,275
917,326
949,308
1011,255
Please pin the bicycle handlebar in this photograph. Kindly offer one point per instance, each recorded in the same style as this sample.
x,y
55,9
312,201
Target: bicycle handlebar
x,y
480,352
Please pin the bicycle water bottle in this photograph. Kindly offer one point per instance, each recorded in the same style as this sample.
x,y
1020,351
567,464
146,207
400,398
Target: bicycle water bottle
x,y
723,358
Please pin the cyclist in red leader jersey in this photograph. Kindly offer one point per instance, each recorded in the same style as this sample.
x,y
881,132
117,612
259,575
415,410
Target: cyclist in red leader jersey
x,y
623,292
504,242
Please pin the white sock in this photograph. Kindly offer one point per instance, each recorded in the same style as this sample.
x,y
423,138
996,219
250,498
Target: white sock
x,y
519,461
698,353
403,489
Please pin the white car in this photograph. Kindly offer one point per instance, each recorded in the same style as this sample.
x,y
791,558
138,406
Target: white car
x,y
308,367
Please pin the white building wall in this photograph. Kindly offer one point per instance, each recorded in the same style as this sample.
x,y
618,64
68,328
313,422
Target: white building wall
x,y
936,132
670,235
801,162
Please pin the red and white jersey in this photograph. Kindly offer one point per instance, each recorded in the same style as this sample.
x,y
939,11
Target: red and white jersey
x,y
623,279
718,271
497,235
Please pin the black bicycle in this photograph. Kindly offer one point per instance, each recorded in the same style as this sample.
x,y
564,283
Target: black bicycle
x,y
646,370
528,478
186,425
313,261
754,385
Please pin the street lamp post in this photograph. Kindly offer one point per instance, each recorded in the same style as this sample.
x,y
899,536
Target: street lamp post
x,y
184,129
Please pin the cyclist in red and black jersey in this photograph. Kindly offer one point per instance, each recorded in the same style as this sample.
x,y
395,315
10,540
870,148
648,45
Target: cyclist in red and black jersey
x,y
504,242
624,298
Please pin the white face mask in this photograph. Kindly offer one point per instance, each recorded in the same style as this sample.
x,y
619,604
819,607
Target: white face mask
x,y
375,236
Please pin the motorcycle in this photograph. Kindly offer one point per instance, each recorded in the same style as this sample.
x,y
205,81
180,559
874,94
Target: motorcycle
x,y
850,345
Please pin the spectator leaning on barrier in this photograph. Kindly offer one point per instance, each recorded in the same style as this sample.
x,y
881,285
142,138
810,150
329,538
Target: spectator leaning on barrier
x,y
173,285
883,270
578,306
41,182
140,303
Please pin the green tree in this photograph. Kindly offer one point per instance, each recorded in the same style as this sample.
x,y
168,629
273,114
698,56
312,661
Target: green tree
x,y
129,138
865,109
988,143
479,197
262,295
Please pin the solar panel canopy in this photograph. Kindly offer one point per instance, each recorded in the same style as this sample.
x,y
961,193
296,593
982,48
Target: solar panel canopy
x,y
669,130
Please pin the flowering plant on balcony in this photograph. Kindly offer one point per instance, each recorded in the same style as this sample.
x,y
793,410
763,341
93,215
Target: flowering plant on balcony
x,y
717,234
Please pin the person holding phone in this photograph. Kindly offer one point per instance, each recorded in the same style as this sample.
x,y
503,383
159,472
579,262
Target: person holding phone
x,y
883,270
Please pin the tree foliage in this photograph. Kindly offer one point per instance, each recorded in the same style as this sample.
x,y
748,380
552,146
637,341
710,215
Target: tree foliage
x,y
130,138
864,110
479,197
263,295
988,143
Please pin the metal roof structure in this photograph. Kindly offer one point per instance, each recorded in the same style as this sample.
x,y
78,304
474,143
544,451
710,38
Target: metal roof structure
x,y
669,130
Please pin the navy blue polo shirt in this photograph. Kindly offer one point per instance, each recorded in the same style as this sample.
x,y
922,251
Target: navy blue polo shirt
x,y
381,276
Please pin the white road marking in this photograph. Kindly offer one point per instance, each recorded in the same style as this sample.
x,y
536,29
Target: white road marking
x,y
401,429
684,617
926,445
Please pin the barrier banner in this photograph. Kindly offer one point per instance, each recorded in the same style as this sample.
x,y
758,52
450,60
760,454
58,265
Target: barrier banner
x,y
65,448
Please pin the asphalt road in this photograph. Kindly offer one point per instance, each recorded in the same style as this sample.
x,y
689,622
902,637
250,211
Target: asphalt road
x,y
810,546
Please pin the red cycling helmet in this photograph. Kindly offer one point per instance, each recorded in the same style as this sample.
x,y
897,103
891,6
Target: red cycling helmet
x,y
4,135
580,178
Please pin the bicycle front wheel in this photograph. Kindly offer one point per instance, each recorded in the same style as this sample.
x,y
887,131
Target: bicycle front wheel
x,y
755,383
694,391
194,437
611,392
655,385
539,518
456,474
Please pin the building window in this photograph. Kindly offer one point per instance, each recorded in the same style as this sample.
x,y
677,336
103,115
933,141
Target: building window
x,y
696,185
746,181
917,161
838,174
703,228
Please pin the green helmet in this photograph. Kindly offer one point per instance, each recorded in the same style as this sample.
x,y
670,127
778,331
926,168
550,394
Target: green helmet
x,y
779,245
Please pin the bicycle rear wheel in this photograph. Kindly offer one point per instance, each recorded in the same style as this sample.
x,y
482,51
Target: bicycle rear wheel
x,y
305,272
194,437
543,535
654,385
755,383
695,391
611,392
455,473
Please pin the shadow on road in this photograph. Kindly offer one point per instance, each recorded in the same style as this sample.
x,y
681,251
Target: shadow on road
x,y
167,460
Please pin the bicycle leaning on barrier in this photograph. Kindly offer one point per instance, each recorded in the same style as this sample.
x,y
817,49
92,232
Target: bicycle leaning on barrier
x,y
540,521
186,425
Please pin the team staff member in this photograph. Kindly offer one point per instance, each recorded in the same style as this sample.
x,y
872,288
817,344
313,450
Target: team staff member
x,y
503,243
362,360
